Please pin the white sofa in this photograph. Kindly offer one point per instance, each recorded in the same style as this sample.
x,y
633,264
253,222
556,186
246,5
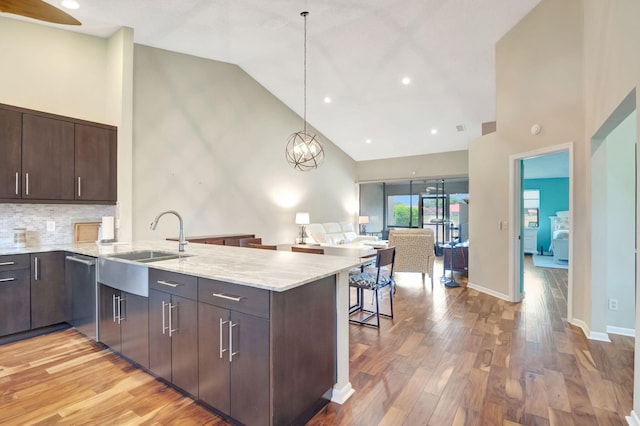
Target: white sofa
x,y
334,233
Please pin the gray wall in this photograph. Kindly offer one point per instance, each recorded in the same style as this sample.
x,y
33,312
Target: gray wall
x,y
209,142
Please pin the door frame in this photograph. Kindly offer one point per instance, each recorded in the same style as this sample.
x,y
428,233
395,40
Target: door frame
x,y
515,217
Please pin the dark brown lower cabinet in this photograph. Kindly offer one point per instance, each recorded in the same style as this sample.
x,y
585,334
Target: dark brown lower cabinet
x,y
50,296
234,363
15,294
173,329
124,322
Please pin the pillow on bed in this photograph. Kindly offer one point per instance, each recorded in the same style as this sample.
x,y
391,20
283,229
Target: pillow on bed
x,y
562,223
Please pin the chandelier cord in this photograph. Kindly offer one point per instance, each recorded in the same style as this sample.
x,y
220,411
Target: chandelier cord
x,y
304,14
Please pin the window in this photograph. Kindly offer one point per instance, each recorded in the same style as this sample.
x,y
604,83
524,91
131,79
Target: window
x,y
402,210
531,208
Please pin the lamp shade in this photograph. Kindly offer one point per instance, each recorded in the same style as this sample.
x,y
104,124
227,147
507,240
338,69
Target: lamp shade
x,y
302,218
363,219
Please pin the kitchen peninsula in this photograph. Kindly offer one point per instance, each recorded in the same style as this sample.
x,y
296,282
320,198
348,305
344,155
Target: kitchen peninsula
x,y
294,358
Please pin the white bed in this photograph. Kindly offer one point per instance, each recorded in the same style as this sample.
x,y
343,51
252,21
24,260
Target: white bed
x,y
560,233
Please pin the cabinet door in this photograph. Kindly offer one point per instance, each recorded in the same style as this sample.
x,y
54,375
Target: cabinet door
x,y
15,314
10,153
159,341
213,356
249,379
134,328
184,344
95,163
49,294
109,329
47,158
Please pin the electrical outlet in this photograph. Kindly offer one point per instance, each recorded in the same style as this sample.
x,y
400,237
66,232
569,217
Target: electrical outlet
x,y
613,304
51,226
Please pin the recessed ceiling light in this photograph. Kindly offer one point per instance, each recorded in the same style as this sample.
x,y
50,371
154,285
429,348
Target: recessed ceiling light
x,y
70,4
327,100
368,141
406,81
434,131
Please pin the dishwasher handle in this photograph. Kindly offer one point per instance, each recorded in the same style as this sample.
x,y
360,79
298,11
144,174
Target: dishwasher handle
x,y
81,260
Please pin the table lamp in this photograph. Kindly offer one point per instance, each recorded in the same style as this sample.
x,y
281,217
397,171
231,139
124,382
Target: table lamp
x,y
363,220
302,219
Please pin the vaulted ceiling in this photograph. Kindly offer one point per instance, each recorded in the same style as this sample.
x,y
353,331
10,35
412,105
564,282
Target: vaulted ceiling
x,y
359,52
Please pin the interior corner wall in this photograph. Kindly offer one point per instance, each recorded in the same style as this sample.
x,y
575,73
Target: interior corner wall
x,y
209,142
539,67
619,246
612,71
120,111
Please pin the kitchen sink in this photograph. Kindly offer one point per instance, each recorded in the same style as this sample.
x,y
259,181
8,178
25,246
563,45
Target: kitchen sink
x,y
148,256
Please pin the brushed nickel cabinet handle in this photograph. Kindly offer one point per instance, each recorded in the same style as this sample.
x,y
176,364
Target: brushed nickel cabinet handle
x,y
171,329
172,284
6,280
17,179
7,263
27,178
113,302
164,327
222,350
79,186
224,296
120,317
231,352
36,269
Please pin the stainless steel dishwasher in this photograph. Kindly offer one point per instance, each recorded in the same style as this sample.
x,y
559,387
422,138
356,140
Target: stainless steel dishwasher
x,y
80,271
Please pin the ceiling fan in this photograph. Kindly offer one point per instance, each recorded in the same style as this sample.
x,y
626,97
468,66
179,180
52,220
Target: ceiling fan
x,y
37,9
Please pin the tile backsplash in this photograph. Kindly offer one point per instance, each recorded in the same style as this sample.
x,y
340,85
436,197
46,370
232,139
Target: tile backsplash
x,y
34,217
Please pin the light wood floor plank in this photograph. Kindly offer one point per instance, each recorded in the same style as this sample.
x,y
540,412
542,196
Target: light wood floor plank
x,y
450,356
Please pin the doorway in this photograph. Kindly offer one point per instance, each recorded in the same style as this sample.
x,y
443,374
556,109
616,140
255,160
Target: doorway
x,y
519,215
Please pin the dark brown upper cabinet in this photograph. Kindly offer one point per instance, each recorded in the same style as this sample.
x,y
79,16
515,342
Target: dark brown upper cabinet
x,y
95,163
10,154
46,158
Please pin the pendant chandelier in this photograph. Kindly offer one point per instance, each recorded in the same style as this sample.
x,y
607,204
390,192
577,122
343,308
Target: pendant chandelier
x,y
304,152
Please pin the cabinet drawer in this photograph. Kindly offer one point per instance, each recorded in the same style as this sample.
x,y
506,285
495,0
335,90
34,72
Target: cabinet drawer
x,y
15,277
13,262
236,297
173,283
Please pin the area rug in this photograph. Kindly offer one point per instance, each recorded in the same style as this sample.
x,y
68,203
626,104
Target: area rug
x,y
547,262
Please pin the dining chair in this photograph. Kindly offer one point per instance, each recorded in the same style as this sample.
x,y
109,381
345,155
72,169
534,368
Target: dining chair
x,y
313,250
244,242
262,246
373,279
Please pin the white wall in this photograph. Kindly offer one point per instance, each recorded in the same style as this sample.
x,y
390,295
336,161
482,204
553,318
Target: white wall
x,y
538,80
53,70
209,142
65,73
441,165
620,238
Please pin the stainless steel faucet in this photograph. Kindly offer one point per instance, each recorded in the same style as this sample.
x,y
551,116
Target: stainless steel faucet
x,y
181,241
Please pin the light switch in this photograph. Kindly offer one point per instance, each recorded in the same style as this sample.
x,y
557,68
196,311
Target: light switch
x,y
51,226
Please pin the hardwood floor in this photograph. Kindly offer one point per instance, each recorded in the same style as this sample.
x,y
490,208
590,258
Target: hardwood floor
x,y
450,356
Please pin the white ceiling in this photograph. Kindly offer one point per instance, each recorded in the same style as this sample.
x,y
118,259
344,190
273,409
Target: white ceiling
x,y
358,53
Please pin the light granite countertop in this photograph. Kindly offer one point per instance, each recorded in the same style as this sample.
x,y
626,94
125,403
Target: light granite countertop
x,y
276,270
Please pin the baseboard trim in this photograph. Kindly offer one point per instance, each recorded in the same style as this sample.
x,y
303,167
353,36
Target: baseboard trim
x,y
591,335
633,419
631,332
340,396
489,291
